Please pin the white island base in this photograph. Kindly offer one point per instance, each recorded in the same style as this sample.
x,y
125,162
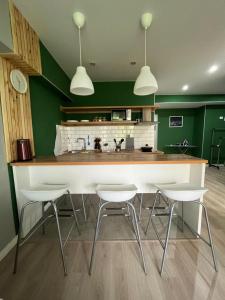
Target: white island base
x,y
83,179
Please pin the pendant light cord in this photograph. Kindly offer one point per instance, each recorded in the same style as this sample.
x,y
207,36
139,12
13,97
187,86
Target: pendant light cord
x,y
145,44
80,47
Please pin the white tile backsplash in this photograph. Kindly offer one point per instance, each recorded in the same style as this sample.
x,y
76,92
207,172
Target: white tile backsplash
x,y
142,135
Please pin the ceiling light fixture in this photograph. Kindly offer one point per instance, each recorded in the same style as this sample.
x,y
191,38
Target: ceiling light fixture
x,y
146,83
212,69
185,87
81,83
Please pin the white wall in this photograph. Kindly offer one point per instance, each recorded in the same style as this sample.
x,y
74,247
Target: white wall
x,y
7,228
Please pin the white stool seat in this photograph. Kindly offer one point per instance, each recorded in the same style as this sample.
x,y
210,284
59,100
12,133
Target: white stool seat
x,y
45,192
182,191
154,186
116,192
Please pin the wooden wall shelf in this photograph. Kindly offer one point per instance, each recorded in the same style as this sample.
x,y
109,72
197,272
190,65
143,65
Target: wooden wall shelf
x,y
103,123
103,109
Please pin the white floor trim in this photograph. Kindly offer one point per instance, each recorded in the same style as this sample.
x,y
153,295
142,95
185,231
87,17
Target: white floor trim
x,y
8,247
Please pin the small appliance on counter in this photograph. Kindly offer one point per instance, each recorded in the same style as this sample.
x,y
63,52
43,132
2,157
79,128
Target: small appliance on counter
x,y
129,143
146,148
24,150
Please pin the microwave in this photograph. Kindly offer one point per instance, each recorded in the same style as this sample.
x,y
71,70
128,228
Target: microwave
x,y
121,114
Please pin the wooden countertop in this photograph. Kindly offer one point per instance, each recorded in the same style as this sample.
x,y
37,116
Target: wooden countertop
x,y
112,158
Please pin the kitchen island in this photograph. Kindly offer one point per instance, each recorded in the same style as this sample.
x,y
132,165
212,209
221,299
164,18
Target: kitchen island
x,y
83,170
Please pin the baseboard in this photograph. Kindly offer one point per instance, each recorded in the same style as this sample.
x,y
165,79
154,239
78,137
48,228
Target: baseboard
x,y
8,247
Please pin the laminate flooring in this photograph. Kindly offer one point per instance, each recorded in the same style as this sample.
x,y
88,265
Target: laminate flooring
x,y
117,271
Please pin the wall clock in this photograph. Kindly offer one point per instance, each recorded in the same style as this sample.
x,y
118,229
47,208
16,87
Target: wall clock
x,y
18,81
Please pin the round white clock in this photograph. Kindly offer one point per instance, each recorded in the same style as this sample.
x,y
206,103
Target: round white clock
x,y
18,81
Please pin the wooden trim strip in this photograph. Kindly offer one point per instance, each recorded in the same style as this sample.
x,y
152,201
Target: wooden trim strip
x,y
80,163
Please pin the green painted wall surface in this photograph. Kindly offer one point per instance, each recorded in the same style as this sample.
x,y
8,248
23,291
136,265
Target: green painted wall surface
x,y
213,120
53,72
113,93
198,132
45,107
189,98
168,135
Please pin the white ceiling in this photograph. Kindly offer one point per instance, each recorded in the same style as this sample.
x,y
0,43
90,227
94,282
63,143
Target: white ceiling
x,y
185,39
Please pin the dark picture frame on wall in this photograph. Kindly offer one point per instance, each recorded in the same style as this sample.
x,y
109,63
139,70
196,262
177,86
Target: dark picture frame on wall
x,y
176,121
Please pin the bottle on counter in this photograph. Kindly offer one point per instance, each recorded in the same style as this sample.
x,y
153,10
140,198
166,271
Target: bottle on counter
x,y
98,146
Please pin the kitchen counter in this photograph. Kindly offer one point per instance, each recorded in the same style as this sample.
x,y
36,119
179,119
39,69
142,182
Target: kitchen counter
x,y
83,171
112,158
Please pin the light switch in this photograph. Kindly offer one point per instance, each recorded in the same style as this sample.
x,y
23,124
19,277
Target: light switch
x,y
221,117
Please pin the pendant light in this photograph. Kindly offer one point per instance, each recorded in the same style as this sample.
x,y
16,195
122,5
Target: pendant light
x,y
146,83
81,83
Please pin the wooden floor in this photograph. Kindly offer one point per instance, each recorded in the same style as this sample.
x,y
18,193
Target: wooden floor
x,y
117,272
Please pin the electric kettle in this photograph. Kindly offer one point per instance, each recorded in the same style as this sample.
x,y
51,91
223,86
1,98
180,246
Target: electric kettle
x,y
24,150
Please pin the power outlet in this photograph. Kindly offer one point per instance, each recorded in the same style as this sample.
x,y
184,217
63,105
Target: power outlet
x,y
221,117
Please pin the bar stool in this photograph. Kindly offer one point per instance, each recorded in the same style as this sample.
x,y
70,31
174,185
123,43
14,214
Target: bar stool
x,y
45,193
110,193
183,192
154,190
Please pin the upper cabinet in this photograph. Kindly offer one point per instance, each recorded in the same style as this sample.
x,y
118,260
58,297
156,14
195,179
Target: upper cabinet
x,y
26,48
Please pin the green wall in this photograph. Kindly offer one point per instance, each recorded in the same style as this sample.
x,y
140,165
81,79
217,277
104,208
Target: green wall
x,y
198,133
53,72
168,135
45,107
47,93
112,93
189,98
197,128
212,120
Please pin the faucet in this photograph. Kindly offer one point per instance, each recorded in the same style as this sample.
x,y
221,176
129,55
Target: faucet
x,y
83,139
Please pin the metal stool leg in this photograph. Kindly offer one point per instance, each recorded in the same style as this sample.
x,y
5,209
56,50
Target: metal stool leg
x,y
84,207
19,235
182,216
210,236
96,236
167,236
140,207
218,158
152,210
59,236
74,211
43,213
138,236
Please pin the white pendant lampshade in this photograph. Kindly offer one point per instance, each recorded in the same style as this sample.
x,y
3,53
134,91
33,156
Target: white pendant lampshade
x,y
81,83
146,83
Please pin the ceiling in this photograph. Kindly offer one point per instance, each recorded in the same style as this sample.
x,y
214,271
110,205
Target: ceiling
x,y
184,40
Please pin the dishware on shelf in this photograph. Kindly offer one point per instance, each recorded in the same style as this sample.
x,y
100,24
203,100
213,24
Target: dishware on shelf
x,y
72,121
84,121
